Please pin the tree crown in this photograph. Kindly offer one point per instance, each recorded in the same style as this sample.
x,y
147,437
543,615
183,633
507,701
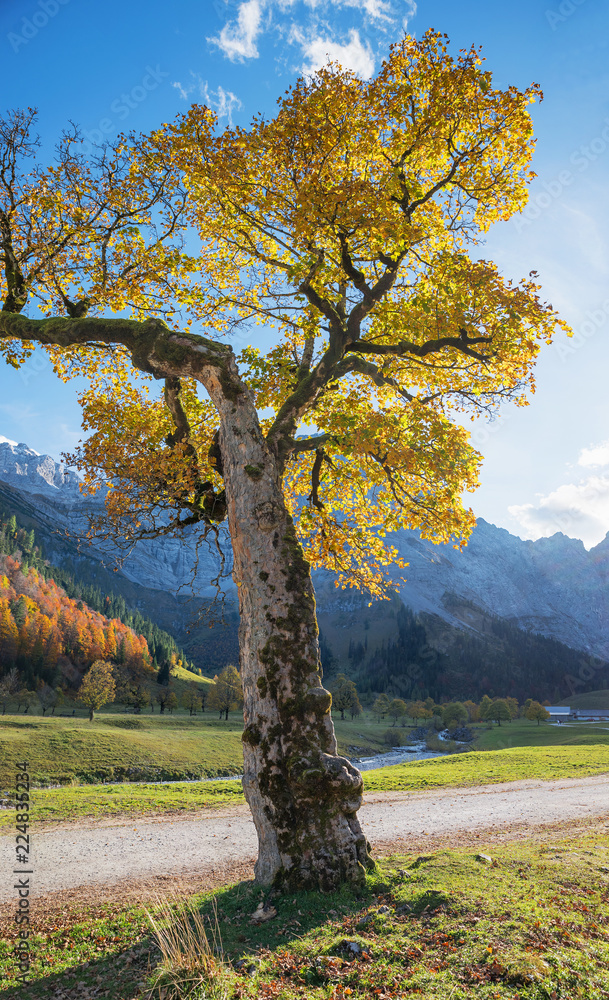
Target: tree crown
x,y
348,223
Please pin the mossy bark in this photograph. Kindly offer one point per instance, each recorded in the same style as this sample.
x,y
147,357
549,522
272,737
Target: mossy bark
x,y
303,797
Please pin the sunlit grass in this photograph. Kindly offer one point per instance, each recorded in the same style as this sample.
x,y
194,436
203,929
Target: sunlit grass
x,y
459,770
528,921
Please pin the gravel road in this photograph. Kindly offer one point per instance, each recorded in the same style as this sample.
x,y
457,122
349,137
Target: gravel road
x,y
100,854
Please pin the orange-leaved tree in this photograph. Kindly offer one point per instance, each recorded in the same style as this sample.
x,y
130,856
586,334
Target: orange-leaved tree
x,y
348,222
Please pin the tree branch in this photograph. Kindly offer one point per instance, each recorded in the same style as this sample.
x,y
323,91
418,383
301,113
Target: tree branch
x,y
357,364
462,343
155,349
315,478
373,295
305,362
312,443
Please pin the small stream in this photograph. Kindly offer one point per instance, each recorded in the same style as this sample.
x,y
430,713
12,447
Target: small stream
x,y
397,755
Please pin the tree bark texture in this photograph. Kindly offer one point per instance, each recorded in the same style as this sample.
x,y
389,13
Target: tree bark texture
x,y
303,797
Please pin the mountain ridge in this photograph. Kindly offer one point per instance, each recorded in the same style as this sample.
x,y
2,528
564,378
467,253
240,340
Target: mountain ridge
x,y
553,586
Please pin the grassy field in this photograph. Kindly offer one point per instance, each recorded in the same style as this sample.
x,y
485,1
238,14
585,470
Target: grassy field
x,y
523,733
119,748
529,923
459,770
150,747
594,699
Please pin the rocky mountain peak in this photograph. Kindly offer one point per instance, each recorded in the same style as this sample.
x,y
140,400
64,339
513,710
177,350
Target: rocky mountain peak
x,y
27,470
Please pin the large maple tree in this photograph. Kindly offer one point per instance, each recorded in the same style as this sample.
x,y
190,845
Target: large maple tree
x,y
349,223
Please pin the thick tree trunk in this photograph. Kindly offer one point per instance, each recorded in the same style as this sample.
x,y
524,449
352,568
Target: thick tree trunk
x,y
303,797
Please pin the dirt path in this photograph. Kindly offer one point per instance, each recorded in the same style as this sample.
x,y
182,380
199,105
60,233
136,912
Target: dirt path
x,y
167,852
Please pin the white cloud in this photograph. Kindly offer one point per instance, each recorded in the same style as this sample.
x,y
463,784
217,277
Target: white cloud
x,y
222,101
595,457
238,39
375,9
580,510
380,10
20,413
410,12
353,55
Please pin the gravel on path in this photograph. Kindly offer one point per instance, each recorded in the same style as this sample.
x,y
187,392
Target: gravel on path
x,y
169,850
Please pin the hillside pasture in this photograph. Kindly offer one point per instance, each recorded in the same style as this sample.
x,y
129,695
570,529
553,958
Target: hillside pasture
x,y
526,733
119,748
593,699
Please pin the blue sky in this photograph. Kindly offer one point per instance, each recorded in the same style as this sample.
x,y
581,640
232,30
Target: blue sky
x,y
120,66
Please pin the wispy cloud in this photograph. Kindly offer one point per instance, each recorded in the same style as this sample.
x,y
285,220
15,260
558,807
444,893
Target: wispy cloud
x,y
411,9
20,413
580,510
222,101
237,40
377,10
314,27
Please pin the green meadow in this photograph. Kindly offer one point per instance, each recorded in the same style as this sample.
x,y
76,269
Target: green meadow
x,y
523,733
141,799
152,747
119,748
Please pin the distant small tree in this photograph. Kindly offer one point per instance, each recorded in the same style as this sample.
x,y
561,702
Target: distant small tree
x,y
473,711
397,709
381,706
345,697
355,708
137,697
485,707
97,687
172,701
537,712
21,697
47,697
413,709
191,698
162,696
226,694
453,713
514,707
418,710
27,698
9,685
